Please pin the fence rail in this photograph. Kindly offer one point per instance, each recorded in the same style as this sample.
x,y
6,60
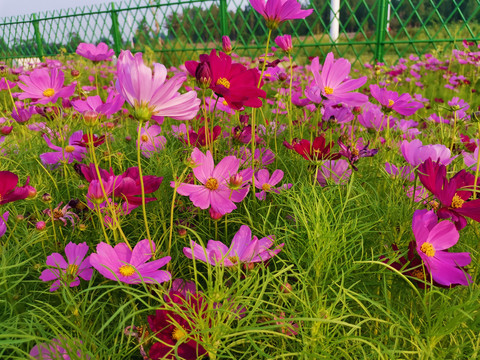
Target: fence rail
x,y
362,30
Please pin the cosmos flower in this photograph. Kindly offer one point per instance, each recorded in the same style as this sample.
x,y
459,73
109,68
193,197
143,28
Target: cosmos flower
x,y
336,170
151,94
3,223
277,11
284,42
266,183
9,191
333,82
244,249
416,153
68,273
58,349
319,150
130,266
390,100
68,154
150,140
214,189
432,240
113,104
44,86
95,53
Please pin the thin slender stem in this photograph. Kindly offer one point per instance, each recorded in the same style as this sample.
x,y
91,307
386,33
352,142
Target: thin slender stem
x,y
477,169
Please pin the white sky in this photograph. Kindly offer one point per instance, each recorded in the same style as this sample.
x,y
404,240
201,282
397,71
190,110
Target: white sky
x,y
21,7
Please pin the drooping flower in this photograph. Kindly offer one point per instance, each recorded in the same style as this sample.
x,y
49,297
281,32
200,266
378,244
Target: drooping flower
x,y
68,154
214,190
3,223
232,81
9,191
277,11
174,325
432,239
68,273
95,53
356,151
62,214
130,266
151,94
21,114
266,183
390,100
453,194
150,140
44,86
333,82
243,250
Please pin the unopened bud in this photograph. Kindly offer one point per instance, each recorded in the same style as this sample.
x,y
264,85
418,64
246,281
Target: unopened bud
x,y
40,225
182,232
214,214
203,75
286,288
357,110
90,117
235,182
5,130
82,227
46,197
75,73
32,192
226,45
282,76
19,218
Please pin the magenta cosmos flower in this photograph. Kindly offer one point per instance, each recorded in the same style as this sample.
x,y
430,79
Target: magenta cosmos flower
x,y
337,171
9,191
333,82
44,86
432,239
220,186
95,53
113,104
3,223
68,154
68,273
277,11
58,350
130,266
390,100
284,42
244,249
151,94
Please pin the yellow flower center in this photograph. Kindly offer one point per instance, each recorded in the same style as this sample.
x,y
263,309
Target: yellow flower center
x,y
225,102
49,92
233,259
144,138
427,249
390,103
72,269
126,270
69,149
212,184
178,333
57,213
1,197
457,202
355,151
224,82
418,274
266,187
328,90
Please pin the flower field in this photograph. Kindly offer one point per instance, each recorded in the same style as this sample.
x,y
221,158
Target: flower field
x,y
238,208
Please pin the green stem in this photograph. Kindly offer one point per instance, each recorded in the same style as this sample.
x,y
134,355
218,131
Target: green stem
x,y
290,122
477,169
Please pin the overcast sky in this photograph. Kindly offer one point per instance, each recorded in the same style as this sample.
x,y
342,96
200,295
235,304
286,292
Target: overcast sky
x,y
21,7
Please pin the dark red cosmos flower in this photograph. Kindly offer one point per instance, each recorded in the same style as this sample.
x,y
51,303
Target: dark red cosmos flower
x,y
9,191
453,194
199,139
127,185
470,144
86,141
232,81
173,328
313,152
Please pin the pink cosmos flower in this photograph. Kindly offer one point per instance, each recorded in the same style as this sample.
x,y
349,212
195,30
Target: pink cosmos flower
x,y
95,53
217,188
68,273
333,82
151,94
405,172
390,100
373,118
284,42
432,239
277,11
150,140
266,183
68,154
416,153
113,104
130,266
44,86
56,350
337,171
244,249
3,223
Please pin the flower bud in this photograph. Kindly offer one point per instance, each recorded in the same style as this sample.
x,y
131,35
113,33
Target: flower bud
x,y
75,73
19,218
32,192
215,215
203,75
82,227
286,288
226,45
40,225
46,197
235,181
282,76
182,232
5,130
90,117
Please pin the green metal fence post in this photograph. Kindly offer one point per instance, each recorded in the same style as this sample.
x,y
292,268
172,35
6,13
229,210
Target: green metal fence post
x,y
38,38
223,17
117,46
381,30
